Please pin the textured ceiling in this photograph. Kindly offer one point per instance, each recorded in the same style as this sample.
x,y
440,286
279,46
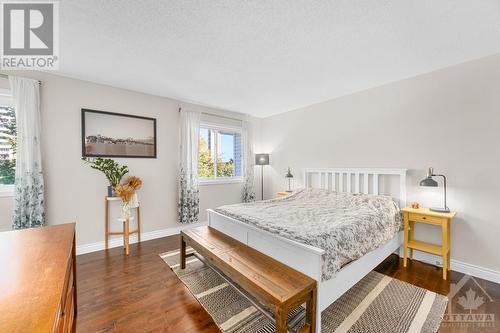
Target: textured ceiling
x,y
264,57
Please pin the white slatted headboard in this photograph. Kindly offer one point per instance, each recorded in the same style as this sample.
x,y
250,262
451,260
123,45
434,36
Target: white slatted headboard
x,y
356,180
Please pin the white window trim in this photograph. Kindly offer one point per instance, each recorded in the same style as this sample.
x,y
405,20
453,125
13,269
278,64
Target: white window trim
x,y
6,190
220,180
6,100
215,126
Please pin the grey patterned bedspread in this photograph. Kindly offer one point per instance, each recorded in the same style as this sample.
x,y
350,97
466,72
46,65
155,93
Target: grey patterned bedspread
x,y
345,225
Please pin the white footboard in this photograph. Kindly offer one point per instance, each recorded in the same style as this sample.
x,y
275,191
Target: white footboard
x,y
303,258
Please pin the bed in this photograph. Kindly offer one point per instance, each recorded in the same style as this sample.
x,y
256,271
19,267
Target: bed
x,y
304,250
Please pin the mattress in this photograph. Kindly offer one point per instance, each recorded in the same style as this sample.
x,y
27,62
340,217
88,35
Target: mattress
x,y
345,225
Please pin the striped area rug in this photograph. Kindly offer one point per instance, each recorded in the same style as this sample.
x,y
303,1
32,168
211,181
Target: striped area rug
x,y
377,303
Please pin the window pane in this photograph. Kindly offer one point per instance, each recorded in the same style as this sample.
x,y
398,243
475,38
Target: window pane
x,y
225,156
219,153
205,157
8,133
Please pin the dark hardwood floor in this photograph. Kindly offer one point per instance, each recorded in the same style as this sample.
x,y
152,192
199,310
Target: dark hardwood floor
x,y
139,293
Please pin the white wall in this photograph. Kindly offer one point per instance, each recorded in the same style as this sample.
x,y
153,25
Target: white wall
x,y
6,206
215,195
448,119
75,192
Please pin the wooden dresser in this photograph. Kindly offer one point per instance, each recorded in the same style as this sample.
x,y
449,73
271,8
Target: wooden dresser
x,y
38,280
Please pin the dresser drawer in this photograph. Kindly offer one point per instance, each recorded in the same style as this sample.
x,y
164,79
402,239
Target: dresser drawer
x,y
69,312
425,218
68,284
66,310
67,315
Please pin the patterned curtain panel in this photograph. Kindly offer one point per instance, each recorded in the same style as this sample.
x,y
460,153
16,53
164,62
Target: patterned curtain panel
x,y
29,189
188,169
248,162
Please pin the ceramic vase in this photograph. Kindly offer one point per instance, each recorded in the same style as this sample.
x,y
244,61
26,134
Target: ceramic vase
x,y
126,211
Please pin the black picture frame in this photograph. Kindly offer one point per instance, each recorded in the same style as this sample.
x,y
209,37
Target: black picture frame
x,y
85,145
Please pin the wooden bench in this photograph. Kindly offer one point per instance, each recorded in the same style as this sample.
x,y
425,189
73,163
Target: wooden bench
x,y
274,284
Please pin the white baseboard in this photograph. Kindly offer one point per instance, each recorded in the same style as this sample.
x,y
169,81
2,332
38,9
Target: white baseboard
x,y
118,241
457,266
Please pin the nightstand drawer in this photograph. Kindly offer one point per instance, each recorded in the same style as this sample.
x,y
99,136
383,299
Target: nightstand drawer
x,y
425,218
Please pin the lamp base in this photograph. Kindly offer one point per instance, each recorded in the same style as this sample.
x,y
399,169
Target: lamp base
x,y
439,210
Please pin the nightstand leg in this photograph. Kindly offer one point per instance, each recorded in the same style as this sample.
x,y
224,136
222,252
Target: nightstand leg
x,y
448,260
412,236
405,246
449,244
445,247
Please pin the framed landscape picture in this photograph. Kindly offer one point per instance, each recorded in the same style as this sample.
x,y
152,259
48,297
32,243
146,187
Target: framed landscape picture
x,y
108,134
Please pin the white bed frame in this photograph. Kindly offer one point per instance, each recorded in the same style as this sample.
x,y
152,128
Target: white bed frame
x,y
307,259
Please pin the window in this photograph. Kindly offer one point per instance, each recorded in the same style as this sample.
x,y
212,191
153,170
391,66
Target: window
x,y
219,156
8,134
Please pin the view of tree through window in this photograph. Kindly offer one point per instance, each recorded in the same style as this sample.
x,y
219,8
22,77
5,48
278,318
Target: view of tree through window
x,y
219,153
8,135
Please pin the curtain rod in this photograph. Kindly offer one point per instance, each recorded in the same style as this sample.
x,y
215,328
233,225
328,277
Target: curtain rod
x,y
217,115
5,76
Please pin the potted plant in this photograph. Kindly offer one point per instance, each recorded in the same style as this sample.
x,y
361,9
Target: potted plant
x,y
113,171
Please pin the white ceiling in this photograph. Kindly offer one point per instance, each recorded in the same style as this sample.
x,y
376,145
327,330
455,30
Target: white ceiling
x,y
264,57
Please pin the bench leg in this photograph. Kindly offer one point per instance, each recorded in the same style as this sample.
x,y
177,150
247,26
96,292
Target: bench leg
x,y
281,320
183,253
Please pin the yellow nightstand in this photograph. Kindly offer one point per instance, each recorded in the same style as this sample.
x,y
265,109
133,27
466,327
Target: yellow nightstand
x,y
283,194
424,215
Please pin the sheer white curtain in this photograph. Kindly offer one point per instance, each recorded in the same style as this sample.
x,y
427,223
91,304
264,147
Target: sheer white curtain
x,y
29,187
248,161
188,167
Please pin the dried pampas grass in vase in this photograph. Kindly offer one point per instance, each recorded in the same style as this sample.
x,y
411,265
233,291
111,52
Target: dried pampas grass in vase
x,y
135,183
125,192
128,193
